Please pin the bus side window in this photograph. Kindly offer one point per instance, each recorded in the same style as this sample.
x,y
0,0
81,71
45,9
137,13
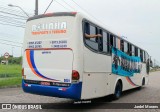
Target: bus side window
x,y
141,55
105,42
108,42
86,28
125,47
91,42
111,42
117,42
129,49
144,56
136,51
93,30
122,45
133,50
100,40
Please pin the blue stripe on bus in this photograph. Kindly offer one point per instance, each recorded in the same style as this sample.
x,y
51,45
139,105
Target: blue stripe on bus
x,y
73,92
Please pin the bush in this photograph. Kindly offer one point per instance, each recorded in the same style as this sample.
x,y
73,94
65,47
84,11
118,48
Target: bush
x,y
13,60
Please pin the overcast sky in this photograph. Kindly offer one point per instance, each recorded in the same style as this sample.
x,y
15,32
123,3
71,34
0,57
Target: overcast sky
x,y
138,20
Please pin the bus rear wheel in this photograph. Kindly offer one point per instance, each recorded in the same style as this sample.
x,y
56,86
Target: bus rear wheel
x,y
118,91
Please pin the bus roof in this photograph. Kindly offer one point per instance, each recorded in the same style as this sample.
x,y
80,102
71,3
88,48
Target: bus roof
x,y
52,14
94,21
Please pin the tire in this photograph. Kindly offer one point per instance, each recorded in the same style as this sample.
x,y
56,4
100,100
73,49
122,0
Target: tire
x,y
143,82
139,88
118,91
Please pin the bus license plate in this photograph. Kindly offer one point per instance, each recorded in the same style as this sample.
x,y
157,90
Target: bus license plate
x,y
45,83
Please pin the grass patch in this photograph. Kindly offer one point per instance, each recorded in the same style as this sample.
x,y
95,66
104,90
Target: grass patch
x,y
10,71
10,81
10,75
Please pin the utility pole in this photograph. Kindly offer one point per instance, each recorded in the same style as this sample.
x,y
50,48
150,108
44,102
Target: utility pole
x,y
36,7
12,51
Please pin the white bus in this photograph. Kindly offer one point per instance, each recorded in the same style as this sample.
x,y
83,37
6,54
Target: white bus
x,y
60,61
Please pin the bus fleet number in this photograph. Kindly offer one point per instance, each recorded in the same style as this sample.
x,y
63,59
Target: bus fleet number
x,y
66,80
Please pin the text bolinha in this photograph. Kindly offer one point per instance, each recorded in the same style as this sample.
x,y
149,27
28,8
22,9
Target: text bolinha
x,y
49,26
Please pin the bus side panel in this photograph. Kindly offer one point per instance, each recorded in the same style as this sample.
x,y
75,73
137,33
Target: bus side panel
x,y
128,82
135,80
94,62
94,85
138,77
97,67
